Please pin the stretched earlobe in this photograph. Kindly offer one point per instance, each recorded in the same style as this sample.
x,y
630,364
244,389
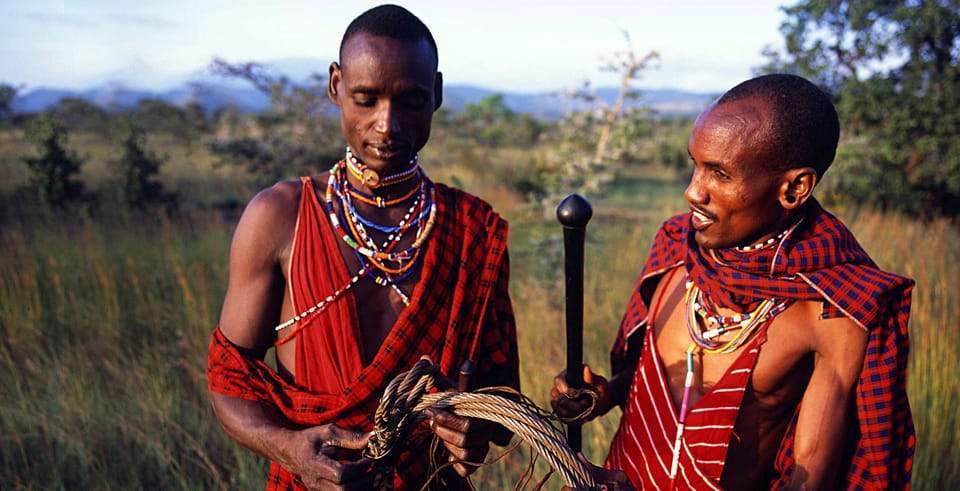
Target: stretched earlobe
x,y
798,187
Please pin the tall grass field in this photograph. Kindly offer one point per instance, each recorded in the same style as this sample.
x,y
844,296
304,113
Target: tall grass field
x,y
104,326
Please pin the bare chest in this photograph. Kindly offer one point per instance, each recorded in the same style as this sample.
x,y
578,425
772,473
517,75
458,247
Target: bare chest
x,y
779,373
378,304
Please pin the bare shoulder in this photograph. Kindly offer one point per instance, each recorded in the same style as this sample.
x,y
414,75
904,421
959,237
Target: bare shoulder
x,y
837,342
270,217
800,335
275,202
826,335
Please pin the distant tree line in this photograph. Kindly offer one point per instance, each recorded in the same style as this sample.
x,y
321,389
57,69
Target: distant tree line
x,y
55,169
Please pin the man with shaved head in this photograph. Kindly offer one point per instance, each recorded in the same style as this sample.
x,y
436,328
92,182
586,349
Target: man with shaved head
x,y
353,275
762,348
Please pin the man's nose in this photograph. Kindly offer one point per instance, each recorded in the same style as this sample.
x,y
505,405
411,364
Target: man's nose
x,y
695,192
388,120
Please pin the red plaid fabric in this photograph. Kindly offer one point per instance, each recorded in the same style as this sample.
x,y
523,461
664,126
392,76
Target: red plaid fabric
x,y
818,260
460,309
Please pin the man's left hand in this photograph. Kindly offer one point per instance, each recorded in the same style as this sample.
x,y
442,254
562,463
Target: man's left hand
x,y
467,439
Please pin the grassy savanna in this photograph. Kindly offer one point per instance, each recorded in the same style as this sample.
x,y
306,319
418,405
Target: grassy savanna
x,y
105,321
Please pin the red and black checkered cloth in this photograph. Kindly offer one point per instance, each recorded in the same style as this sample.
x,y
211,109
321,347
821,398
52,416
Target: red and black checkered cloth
x,y
462,294
818,260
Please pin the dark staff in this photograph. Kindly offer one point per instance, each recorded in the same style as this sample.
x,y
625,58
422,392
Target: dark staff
x,y
573,213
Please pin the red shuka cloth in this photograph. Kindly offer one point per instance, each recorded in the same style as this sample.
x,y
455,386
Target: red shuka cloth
x,y
818,260
650,420
460,309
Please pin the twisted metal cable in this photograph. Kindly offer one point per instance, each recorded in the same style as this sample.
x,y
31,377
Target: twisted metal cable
x,y
408,395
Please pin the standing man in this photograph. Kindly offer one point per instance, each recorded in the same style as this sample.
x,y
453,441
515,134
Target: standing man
x,y
762,347
355,274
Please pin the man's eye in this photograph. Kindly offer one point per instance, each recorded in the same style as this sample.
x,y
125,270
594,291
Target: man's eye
x,y
415,101
720,174
365,101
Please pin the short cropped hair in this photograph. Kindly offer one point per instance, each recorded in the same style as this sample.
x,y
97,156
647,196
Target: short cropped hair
x,y
392,21
804,130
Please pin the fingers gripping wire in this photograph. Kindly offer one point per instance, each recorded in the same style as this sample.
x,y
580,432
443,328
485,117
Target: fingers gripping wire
x,y
406,398
577,394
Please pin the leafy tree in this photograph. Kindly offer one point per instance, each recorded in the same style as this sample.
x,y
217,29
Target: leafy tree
x,y
592,144
629,66
159,116
80,115
7,94
137,169
295,136
892,67
196,119
55,169
490,122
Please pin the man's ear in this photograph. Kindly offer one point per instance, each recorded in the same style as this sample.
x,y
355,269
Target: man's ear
x,y
797,187
333,84
437,91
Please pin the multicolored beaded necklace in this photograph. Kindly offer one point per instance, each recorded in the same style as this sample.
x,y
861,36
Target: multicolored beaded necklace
x,y
378,201
358,225
358,239
372,258
704,326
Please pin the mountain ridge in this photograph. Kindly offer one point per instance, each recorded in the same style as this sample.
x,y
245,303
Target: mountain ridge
x,y
214,92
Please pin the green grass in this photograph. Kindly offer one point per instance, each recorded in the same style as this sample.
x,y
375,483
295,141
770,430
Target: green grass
x,y
105,325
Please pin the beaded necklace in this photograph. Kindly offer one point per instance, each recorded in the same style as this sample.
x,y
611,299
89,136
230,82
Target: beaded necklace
x,y
389,229
372,258
319,307
698,318
361,242
717,325
358,226
372,178
761,245
378,201
425,200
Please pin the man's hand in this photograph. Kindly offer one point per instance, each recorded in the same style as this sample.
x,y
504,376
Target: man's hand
x,y
607,480
328,457
467,439
577,405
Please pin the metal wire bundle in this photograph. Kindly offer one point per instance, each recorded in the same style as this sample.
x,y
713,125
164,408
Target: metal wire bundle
x,y
409,394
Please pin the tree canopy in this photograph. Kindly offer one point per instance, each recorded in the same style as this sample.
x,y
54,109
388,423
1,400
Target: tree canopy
x,y
892,68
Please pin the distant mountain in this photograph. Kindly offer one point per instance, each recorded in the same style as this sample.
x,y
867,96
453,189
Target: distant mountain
x,y
213,92
113,97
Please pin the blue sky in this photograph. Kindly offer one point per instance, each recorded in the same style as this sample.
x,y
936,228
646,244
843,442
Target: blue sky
x,y
521,46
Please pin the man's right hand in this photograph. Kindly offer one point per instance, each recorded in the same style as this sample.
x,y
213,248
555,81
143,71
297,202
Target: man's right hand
x,y
607,480
574,405
328,457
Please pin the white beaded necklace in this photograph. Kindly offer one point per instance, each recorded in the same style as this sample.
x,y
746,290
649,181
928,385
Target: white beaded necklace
x,y
761,245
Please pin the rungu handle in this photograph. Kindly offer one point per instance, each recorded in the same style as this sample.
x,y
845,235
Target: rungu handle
x,y
574,212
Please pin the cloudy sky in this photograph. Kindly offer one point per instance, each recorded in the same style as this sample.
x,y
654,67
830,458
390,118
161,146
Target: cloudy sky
x,y
519,45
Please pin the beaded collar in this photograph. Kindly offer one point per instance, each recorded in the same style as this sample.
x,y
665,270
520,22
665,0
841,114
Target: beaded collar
x,y
372,178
